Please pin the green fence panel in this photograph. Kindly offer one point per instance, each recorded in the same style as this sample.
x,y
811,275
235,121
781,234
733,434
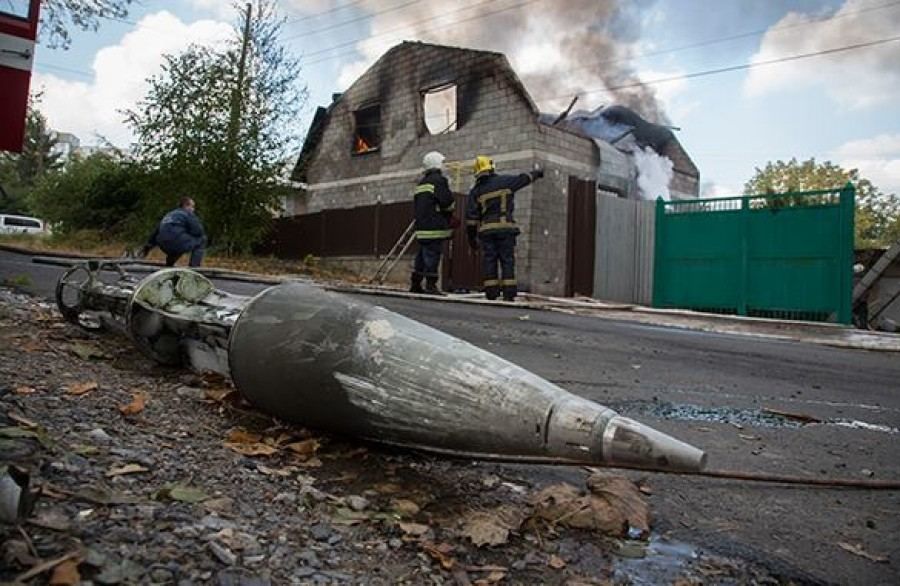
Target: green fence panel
x,y
783,255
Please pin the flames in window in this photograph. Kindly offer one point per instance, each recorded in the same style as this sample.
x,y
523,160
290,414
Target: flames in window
x,y
367,134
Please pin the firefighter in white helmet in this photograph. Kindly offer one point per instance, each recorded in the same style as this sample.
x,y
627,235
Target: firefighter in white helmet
x,y
433,203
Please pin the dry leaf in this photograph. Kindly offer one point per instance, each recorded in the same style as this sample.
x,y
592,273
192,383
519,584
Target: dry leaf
x,y
126,469
614,505
219,394
240,436
556,562
440,552
79,389
404,507
387,488
24,390
494,577
313,462
856,549
138,402
33,345
251,449
304,448
414,529
66,574
491,527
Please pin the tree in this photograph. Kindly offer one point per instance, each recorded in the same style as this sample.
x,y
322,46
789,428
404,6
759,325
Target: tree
x,y
877,213
100,192
20,172
57,16
217,125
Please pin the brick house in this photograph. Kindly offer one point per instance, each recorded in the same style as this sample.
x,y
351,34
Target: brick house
x,y
365,149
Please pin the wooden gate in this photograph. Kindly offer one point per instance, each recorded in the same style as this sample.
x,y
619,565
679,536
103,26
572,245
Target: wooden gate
x,y
461,270
580,237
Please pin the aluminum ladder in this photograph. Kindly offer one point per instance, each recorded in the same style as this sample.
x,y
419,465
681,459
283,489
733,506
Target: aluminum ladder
x,y
391,258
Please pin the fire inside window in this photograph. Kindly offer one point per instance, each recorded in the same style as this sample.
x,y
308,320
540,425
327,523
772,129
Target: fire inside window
x,y
439,109
367,137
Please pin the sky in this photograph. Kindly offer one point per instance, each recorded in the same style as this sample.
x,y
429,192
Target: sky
x,y
839,106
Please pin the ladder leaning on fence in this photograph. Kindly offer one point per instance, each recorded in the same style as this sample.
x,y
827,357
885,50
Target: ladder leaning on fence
x,y
392,257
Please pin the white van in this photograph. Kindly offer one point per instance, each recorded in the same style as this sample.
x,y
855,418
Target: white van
x,y
21,225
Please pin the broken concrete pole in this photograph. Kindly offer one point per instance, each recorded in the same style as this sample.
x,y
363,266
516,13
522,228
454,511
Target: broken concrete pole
x,y
334,363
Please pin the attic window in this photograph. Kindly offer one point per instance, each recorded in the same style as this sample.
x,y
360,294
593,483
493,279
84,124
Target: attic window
x,y
439,106
367,133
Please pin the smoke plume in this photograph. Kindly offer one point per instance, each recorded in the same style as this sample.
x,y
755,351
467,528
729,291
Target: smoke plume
x,y
577,47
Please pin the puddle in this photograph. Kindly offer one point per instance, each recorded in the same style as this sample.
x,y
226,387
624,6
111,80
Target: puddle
x,y
732,415
661,561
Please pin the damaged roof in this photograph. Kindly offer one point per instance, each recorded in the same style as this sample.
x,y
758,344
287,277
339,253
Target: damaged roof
x,y
497,61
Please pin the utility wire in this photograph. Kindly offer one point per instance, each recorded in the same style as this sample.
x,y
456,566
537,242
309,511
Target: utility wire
x,y
406,26
706,43
367,16
306,17
410,24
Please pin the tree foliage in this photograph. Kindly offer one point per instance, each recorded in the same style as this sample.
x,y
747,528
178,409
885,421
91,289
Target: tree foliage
x,y
100,192
877,213
58,16
20,171
220,137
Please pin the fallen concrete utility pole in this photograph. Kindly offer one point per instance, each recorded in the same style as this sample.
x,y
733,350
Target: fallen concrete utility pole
x,y
330,362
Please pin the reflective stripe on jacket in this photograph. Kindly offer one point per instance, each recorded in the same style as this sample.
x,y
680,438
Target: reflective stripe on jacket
x,y
433,204
491,202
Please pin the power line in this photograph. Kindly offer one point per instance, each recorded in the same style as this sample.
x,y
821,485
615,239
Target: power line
x,y
323,12
406,26
602,62
353,20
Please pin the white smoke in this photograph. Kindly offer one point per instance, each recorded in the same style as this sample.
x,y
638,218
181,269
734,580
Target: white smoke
x,y
654,173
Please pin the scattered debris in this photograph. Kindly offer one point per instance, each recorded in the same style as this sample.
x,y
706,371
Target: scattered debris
x,y
856,549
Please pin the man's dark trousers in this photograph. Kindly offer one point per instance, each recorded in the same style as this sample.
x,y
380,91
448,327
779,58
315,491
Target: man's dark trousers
x,y
428,259
499,248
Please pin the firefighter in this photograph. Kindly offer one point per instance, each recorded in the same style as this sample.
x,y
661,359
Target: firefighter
x,y
489,219
433,203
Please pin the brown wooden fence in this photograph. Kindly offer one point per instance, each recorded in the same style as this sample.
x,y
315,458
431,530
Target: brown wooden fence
x,y
362,231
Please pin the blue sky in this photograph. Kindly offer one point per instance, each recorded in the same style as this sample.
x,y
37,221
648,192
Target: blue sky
x,y
841,107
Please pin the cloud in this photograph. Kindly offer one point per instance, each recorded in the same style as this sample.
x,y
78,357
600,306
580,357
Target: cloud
x,y
221,9
711,189
877,158
120,73
857,78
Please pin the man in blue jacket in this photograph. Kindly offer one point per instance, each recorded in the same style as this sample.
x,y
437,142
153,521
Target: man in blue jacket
x,y
179,232
433,203
489,219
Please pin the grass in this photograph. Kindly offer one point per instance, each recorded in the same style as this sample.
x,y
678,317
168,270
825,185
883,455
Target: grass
x,y
91,243
18,281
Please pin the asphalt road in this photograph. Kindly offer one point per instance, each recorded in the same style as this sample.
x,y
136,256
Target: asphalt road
x,y
710,390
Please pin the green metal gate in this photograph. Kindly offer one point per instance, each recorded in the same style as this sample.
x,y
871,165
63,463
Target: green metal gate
x,y
786,255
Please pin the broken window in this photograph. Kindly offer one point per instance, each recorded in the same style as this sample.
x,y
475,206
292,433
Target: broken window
x,y
439,106
367,134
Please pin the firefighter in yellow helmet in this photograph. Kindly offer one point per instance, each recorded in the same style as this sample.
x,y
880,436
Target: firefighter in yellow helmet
x,y
433,204
489,221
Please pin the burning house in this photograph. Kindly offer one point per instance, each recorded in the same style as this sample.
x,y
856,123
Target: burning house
x,y
362,157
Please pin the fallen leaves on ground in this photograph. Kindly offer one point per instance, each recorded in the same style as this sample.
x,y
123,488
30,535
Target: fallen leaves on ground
x,y
126,469
24,390
79,389
248,444
219,394
856,549
306,447
86,351
138,402
66,574
404,507
440,552
613,505
491,527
